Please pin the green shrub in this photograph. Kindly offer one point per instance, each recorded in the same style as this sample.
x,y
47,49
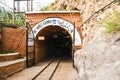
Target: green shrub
x,y
111,22
6,18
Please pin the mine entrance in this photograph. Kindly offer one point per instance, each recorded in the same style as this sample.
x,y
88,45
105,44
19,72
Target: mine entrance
x,y
54,41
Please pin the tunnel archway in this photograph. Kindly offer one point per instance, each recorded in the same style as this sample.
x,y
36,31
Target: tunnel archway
x,y
56,22
54,41
39,31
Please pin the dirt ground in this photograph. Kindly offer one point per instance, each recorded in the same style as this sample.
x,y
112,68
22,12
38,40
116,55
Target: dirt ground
x,y
65,71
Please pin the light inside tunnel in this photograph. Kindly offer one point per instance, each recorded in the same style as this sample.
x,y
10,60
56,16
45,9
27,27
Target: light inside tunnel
x,y
41,38
57,42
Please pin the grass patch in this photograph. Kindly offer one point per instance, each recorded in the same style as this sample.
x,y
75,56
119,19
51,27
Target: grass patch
x,y
111,22
6,52
8,25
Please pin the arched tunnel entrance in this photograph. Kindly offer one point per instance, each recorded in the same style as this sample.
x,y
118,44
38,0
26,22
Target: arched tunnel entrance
x,y
54,41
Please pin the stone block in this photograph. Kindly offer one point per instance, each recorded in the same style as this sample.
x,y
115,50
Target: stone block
x,y
10,67
9,56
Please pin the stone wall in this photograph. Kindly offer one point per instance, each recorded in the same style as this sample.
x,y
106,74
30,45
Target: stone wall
x,y
9,68
9,56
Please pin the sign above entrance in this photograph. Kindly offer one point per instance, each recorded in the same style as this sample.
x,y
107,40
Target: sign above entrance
x,y
58,22
54,21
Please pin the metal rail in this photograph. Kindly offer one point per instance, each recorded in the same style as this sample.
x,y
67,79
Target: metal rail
x,y
55,70
47,67
43,69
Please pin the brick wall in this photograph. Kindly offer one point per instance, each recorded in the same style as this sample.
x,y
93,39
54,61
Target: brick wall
x,y
35,18
14,39
0,38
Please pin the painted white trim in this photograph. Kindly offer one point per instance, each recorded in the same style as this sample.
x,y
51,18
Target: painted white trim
x,y
58,22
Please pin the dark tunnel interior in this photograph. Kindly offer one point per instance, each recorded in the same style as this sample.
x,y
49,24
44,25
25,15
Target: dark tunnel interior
x,y
56,42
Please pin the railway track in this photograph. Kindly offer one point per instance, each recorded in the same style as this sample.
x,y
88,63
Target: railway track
x,y
48,71
64,71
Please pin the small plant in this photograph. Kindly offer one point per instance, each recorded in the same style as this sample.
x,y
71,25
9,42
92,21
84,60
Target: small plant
x,y
20,20
111,22
6,52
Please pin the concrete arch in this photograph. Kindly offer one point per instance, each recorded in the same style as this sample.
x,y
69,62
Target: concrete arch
x,y
69,27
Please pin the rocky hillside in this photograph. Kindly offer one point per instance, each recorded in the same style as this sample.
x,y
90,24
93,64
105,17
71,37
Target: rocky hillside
x,y
99,57
86,8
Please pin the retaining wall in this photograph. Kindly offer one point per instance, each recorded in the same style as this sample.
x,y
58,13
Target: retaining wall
x,y
14,39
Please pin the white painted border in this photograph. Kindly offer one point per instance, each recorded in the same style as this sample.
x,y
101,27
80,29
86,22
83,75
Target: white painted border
x,y
58,22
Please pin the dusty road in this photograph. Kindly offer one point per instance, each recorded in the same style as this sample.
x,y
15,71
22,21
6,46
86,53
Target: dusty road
x,y
65,71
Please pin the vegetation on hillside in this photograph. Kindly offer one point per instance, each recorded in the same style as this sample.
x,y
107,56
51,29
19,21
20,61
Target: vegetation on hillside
x,y
111,22
6,18
48,8
61,5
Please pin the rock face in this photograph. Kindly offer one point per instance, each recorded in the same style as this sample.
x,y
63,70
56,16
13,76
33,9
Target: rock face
x,y
100,58
87,8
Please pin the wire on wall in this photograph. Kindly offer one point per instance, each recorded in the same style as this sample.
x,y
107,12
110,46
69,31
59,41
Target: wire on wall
x,y
98,12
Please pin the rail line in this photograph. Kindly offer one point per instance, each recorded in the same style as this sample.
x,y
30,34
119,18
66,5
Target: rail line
x,y
47,66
